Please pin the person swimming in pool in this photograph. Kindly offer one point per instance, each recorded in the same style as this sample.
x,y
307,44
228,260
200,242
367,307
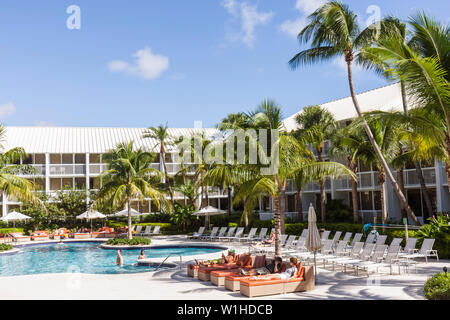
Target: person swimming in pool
x,y
119,260
142,256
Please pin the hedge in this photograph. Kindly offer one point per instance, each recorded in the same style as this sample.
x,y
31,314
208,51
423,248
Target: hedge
x,y
5,247
438,287
136,241
10,230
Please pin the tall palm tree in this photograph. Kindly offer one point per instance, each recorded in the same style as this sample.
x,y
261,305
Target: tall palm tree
x,y
350,146
387,137
11,184
161,134
129,177
317,126
334,31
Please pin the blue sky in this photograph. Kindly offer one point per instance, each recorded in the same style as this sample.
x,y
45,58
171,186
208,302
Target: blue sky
x,y
146,62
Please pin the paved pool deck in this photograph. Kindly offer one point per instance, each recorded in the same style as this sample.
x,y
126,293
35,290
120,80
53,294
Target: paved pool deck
x,y
174,284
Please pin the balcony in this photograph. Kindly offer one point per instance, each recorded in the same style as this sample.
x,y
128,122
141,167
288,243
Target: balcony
x,y
67,169
412,179
97,168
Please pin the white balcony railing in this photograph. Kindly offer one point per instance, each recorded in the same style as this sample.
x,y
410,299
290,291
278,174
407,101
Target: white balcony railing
x,y
67,169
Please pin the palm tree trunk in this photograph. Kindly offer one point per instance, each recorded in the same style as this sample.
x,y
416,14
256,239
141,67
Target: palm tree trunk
x,y
229,201
323,199
323,195
425,191
403,202
207,196
299,205
130,234
166,175
382,182
401,184
355,200
282,206
277,221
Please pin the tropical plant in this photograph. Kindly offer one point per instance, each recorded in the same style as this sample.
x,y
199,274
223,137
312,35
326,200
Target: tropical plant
x,y
161,134
317,126
129,177
334,31
438,287
182,216
11,184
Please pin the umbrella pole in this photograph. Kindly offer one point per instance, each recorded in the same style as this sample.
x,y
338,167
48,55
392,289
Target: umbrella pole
x,y
315,268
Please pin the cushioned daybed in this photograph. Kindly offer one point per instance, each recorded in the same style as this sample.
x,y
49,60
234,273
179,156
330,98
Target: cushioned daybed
x,y
304,281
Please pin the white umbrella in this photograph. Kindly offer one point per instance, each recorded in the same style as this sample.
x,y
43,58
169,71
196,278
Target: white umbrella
x,y
208,211
124,213
313,242
91,215
15,216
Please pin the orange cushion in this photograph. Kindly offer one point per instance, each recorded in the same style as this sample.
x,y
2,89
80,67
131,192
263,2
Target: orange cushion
x,y
254,283
300,271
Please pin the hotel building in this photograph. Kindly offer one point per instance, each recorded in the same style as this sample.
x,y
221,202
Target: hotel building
x,y
66,156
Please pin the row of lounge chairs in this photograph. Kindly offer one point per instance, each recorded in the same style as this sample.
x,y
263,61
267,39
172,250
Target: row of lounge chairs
x,y
147,231
233,234
228,275
64,233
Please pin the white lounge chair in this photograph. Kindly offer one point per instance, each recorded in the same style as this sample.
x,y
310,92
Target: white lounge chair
x,y
138,230
363,256
147,231
212,234
381,239
348,255
239,233
425,251
250,236
347,237
198,234
229,234
396,242
156,230
390,259
221,234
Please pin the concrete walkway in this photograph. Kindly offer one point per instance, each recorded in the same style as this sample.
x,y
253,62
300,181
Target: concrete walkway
x,y
174,284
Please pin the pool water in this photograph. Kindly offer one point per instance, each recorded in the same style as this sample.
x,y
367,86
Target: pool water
x,y
84,257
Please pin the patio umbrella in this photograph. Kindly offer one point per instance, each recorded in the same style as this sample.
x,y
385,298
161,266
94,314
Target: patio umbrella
x,y
208,211
124,213
15,216
91,215
313,242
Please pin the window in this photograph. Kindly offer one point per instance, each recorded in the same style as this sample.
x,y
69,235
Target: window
x,y
67,158
55,184
80,158
94,158
377,200
55,159
67,183
366,200
80,183
28,160
39,158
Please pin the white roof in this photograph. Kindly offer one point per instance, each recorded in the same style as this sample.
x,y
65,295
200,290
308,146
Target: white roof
x,y
86,139
385,98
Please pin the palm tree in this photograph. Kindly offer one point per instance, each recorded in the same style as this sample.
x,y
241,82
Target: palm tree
x,y
11,184
129,177
350,146
334,32
316,127
161,134
387,137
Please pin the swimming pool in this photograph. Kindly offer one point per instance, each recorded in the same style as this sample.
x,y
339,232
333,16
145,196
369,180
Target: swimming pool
x,y
85,257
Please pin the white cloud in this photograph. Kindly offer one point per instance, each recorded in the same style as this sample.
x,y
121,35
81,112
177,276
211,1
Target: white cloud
x,y
177,76
7,109
147,65
248,17
305,8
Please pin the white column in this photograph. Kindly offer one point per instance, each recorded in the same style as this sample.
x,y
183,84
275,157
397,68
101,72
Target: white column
x,y
87,177
442,193
47,172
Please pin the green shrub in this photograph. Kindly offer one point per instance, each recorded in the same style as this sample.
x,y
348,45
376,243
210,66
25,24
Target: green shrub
x,y
10,230
232,224
5,247
438,287
136,241
338,211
